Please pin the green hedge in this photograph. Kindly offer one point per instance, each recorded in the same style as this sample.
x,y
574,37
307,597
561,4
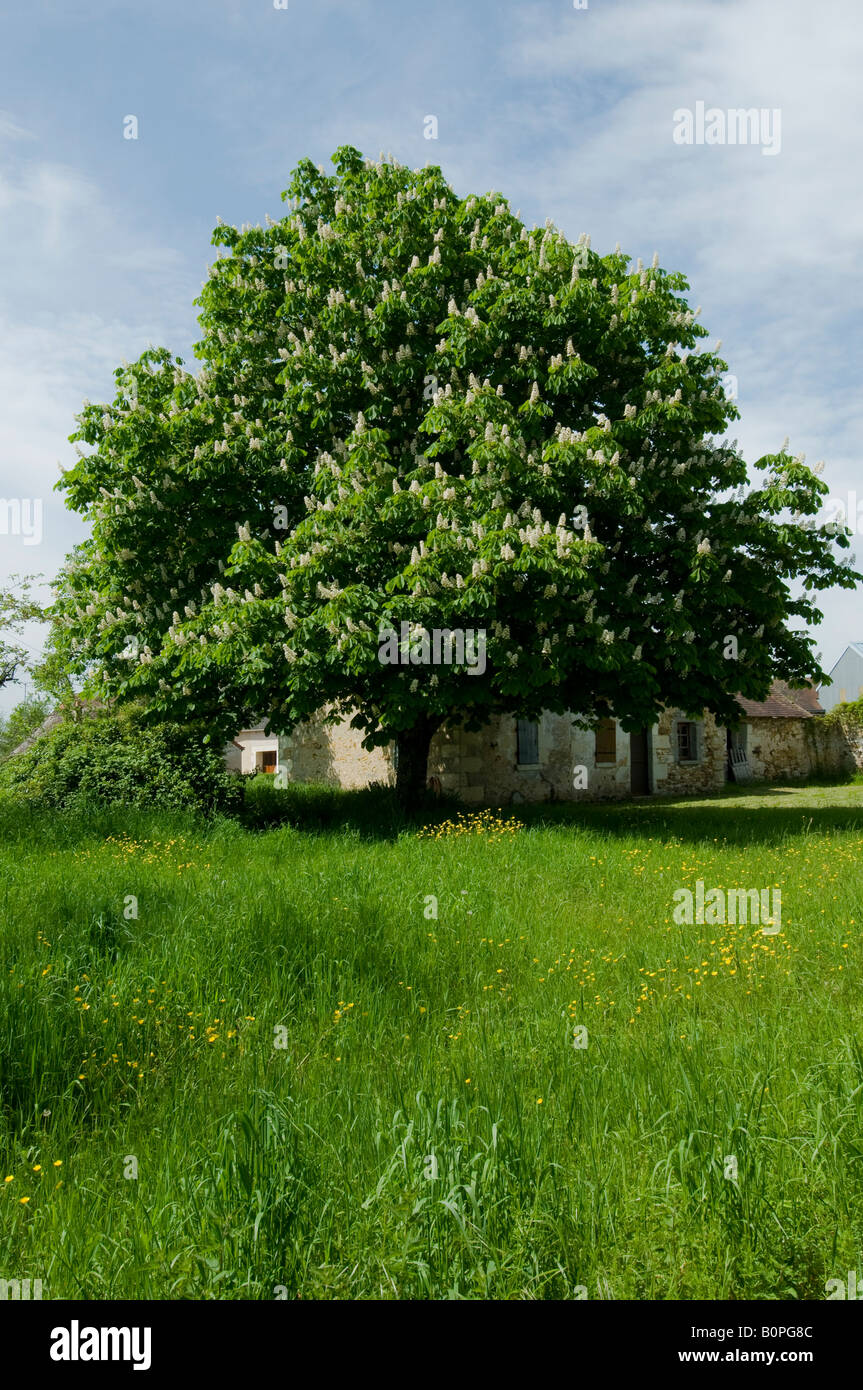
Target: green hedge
x,y
115,758
849,714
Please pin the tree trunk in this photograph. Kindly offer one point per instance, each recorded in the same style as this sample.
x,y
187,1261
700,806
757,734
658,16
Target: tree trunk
x,y
412,753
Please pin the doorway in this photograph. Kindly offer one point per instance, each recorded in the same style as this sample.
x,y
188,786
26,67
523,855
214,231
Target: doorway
x,y
638,768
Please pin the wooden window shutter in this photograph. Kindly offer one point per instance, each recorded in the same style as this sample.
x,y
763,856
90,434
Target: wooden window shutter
x,y
606,741
527,735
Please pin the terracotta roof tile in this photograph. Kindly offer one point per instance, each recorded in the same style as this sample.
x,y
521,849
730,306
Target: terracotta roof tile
x,y
783,703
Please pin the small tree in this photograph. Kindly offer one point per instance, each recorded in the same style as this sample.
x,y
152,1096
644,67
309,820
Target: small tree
x,y
17,608
415,410
22,721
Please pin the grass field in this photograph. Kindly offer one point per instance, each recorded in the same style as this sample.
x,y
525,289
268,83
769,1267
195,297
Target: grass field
x,y
328,1092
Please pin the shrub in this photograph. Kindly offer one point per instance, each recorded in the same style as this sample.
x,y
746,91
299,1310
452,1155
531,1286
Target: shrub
x,y
116,758
848,715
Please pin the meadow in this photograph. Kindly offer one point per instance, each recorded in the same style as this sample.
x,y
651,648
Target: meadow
x,y
349,1057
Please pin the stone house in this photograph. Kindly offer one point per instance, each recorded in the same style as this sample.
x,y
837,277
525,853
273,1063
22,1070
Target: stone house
x,y
513,760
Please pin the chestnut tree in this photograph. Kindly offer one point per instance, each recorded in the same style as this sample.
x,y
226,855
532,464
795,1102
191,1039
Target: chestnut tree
x,y
411,408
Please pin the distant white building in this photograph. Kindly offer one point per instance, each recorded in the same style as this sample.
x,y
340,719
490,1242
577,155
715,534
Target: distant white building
x,y
847,678
254,751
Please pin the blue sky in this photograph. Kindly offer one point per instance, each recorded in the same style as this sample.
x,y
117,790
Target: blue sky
x,y
104,241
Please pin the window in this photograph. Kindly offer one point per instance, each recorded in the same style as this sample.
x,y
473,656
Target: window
x,y
687,741
527,738
606,741
267,761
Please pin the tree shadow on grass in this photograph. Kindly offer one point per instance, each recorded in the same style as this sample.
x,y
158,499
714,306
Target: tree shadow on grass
x,y
738,816
759,814
371,813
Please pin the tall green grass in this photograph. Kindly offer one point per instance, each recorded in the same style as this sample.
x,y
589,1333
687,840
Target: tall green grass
x,y
428,1129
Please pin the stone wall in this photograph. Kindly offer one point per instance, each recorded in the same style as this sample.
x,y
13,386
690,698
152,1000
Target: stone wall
x,y
333,753
835,748
482,768
852,744
779,748
605,781
670,777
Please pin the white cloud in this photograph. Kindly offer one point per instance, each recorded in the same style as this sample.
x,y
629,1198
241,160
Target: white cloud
x,y
568,113
85,288
10,130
